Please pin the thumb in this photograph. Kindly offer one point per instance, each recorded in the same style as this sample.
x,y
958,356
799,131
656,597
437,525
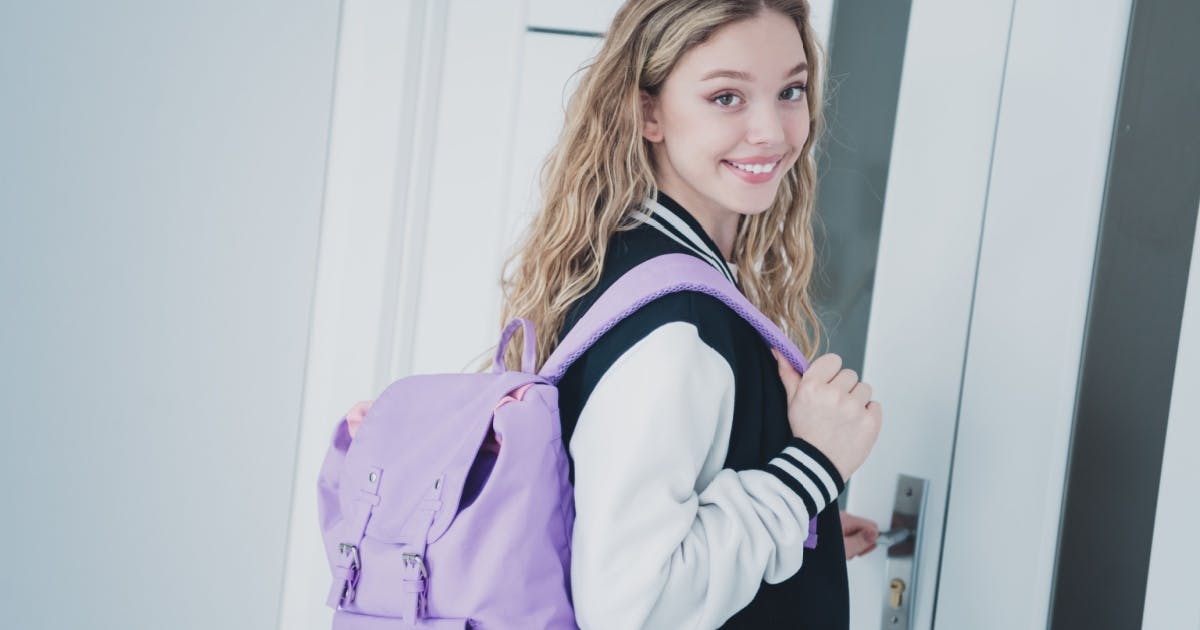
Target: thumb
x,y
791,379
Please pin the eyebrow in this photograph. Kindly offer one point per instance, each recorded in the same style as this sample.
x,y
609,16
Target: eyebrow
x,y
746,76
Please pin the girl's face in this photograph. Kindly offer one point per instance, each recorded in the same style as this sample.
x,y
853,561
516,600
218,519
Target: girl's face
x,y
734,103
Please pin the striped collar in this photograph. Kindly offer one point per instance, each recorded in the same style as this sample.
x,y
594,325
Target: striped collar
x,y
667,216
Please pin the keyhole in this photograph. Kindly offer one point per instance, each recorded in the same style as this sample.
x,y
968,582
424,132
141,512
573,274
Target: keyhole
x,y
897,591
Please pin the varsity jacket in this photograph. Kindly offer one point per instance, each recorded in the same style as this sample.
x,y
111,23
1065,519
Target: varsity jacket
x,y
692,497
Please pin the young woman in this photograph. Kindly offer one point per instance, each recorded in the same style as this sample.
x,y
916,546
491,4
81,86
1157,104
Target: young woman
x,y
698,454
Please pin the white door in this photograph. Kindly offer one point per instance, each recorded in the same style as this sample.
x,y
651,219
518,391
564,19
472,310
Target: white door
x,y
980,295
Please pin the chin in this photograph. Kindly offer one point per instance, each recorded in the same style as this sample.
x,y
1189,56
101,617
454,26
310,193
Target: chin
x,y
753,204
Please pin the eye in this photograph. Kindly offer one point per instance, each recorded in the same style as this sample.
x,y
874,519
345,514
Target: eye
x,y
724,99
797,91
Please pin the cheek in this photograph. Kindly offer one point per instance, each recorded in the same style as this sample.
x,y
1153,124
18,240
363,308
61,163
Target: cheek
x,y
798,126
704,138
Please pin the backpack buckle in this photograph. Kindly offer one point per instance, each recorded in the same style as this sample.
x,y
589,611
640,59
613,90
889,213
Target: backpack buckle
x,y
350,584
352,551
414,588
415,561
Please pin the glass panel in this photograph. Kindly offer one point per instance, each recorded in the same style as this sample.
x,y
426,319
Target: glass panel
x,y
866,52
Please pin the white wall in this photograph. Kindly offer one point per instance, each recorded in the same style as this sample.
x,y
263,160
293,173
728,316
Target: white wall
x,y
162,167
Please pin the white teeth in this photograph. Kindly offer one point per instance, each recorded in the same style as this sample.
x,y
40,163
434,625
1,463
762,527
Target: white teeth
x,y
756,168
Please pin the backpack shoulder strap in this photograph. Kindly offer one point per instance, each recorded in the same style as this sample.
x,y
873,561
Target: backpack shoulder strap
x,y
659,276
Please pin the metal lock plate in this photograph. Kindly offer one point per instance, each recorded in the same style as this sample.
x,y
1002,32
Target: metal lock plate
x,y
903,552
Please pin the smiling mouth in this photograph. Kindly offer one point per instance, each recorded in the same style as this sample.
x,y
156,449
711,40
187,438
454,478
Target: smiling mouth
x,y
755,168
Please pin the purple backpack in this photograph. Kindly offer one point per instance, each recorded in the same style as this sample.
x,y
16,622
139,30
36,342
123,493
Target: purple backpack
x,y
451,507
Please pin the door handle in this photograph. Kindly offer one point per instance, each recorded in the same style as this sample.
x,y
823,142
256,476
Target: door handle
x,y
893,536
903,541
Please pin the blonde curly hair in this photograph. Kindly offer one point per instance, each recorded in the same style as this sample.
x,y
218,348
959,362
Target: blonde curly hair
x,y
600,170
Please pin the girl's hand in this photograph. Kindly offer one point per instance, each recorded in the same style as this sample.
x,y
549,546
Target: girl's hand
x,y
859,534
354,417
832,410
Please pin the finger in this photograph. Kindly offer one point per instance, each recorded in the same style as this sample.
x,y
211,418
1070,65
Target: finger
x,y
862,393
824,368
783,360
864,521
858,526
787,373
855,546
845,380
869,531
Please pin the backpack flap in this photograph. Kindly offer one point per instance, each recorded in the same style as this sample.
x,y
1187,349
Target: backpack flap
x,y
414,450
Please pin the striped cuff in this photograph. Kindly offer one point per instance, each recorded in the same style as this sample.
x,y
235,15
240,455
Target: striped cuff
x,y
806,470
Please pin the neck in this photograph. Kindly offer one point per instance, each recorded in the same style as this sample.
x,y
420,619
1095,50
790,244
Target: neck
x,y
720,225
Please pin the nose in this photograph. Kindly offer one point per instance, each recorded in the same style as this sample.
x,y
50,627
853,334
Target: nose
x,y
765,125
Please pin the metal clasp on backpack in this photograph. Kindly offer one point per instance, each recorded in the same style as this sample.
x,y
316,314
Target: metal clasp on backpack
x,y
352,551
351,583
414,561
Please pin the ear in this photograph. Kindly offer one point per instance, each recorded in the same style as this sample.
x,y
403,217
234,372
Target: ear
x,y
651,130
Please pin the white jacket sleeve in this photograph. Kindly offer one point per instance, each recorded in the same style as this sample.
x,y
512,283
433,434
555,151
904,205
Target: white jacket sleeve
x,y
664,536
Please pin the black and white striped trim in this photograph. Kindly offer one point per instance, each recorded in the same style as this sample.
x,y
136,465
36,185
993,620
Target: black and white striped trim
x,y
664,220
809,473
